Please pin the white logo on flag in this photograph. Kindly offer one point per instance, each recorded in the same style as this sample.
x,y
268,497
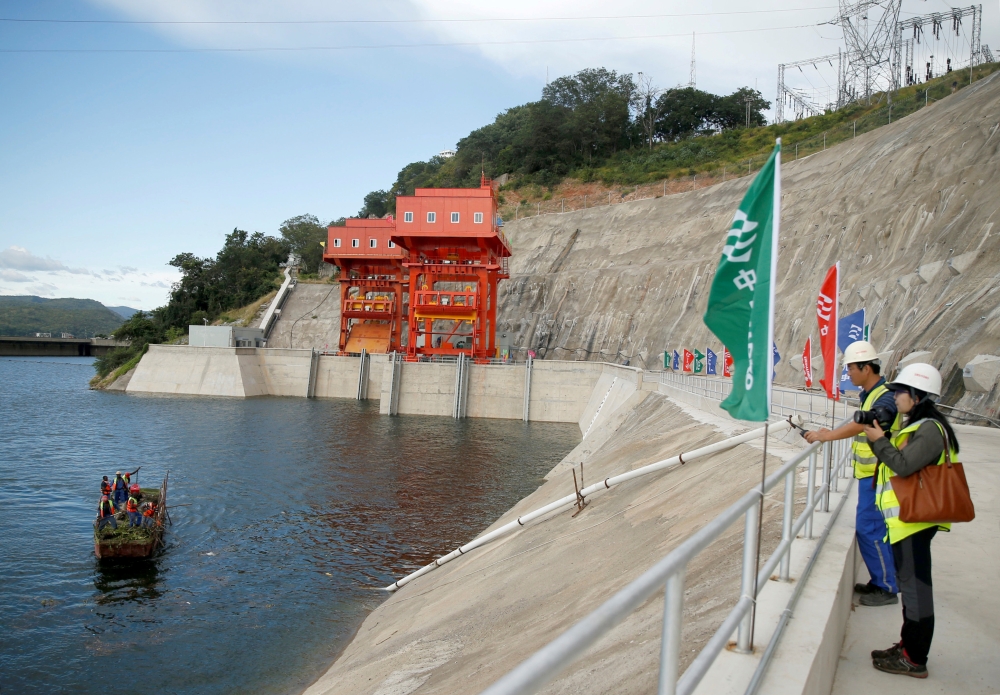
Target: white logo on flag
x,y
824,307
745,279
739,244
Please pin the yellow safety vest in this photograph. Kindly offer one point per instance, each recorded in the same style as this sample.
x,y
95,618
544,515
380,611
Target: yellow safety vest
x,y
885,497
861,451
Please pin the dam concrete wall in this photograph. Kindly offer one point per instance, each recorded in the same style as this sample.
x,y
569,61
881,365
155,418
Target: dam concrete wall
x,y
578,392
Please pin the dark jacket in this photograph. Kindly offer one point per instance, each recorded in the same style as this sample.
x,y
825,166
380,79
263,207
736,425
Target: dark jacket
x,y
923,448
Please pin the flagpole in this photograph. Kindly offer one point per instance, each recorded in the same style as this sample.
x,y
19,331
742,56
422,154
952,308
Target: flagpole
x,y
775,226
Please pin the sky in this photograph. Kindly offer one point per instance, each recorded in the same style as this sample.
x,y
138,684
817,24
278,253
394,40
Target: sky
x,y
132,131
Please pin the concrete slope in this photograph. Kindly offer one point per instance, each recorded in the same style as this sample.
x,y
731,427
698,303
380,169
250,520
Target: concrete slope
x,y
461,627
298,329
910,211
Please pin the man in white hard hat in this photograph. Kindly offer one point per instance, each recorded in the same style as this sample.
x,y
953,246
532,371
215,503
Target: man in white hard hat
x,y
863,368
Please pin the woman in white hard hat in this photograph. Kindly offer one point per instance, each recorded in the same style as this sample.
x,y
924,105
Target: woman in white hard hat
x,y
921,442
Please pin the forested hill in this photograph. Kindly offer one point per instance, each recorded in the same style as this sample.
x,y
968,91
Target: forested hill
x,y
598,130
83,318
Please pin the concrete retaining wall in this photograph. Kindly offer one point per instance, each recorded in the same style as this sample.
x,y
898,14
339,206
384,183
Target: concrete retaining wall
x,y
586,393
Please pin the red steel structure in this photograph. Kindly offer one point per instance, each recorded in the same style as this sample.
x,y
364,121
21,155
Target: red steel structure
x,y
372,312
456,254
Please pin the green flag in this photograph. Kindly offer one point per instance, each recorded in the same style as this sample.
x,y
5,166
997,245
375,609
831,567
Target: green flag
x,y
741,302
698,364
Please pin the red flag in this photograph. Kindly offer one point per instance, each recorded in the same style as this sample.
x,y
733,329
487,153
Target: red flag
x,y
688,361
727,362
807,365
827,316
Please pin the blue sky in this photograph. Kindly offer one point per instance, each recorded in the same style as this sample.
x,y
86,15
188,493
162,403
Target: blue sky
x,y
112,163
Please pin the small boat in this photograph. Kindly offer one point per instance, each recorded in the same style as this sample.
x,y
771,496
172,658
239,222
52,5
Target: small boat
x,y
134,542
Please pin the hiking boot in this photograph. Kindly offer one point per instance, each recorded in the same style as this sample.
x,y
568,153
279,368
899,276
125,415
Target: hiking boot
x,y
868,588
901,666
879,597
893,651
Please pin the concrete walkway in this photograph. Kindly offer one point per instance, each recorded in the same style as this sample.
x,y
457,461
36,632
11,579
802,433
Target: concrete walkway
x,y
966,571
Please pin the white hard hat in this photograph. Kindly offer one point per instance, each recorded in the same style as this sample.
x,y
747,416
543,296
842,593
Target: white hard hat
x,y
919,376
860,351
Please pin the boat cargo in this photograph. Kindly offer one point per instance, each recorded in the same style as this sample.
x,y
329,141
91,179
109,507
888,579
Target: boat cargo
x,y
131,542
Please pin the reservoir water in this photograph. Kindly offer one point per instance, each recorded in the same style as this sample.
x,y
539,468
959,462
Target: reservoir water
x,y
299,510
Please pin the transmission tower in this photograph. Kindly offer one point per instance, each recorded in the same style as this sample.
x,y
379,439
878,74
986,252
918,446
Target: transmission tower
x,y
692,81
870,34
938,43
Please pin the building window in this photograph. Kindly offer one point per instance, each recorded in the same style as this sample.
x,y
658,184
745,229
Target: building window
x,y
454,218
373,243
355,243
392,244
478,218
336,243
407,217
432,217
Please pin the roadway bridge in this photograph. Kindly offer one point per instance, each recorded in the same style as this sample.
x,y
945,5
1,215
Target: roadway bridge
x,y
17,346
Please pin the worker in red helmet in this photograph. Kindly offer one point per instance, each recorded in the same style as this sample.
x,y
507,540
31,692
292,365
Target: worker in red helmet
x,y
132,507
106,513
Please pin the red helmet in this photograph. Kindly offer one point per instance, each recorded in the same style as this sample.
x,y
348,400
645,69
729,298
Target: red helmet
x,y
104,498
133,488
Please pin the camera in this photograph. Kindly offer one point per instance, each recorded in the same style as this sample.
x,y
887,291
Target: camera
x,y
879,414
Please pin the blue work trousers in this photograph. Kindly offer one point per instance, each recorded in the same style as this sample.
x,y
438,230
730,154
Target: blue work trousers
x,y
870,528
134,519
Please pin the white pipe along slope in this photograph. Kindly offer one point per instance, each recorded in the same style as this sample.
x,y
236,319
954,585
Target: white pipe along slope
x,y
606,484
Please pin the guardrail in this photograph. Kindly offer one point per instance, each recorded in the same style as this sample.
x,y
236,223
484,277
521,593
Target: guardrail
x,y
668,575
784,401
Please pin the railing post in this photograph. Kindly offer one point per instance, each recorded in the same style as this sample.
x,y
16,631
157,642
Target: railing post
x,y
747,581
810,494
670,644
835,461
786,524
824,505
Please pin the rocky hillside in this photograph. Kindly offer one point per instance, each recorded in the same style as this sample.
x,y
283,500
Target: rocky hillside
x,y
909,210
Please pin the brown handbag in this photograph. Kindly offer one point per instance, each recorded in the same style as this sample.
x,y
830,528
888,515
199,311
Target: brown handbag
x,y
935,493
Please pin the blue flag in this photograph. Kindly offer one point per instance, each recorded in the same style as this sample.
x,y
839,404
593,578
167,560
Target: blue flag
x,y
775,358
677,361
710,358
851,328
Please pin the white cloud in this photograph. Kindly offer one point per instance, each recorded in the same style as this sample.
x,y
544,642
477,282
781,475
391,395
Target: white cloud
x,y
14,276
18,258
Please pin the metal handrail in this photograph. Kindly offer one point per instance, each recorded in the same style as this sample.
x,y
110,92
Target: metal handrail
x,y
545,664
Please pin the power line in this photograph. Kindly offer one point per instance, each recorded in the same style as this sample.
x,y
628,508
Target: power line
x,y
386,45
407,21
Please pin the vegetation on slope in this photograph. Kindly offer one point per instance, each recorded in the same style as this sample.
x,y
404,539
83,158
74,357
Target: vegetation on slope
x,y
83,318
597,130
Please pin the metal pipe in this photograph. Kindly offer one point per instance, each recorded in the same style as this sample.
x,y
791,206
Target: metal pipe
x,y
835,463
605,484
786,523
747,576
670,644
811,491
765,661
827,454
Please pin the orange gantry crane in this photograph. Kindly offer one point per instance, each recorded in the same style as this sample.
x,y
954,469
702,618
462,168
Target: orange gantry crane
x,y
424,282
456,254
371,285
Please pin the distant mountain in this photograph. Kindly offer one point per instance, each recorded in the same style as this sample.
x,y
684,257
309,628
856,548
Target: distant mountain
x,y
83,318
124,311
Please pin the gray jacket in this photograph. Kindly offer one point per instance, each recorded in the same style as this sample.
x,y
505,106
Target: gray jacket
x,y
923,448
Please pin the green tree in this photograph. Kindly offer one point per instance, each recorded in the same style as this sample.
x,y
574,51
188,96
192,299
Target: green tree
x,y
305,235
732,111
685,111
376,203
